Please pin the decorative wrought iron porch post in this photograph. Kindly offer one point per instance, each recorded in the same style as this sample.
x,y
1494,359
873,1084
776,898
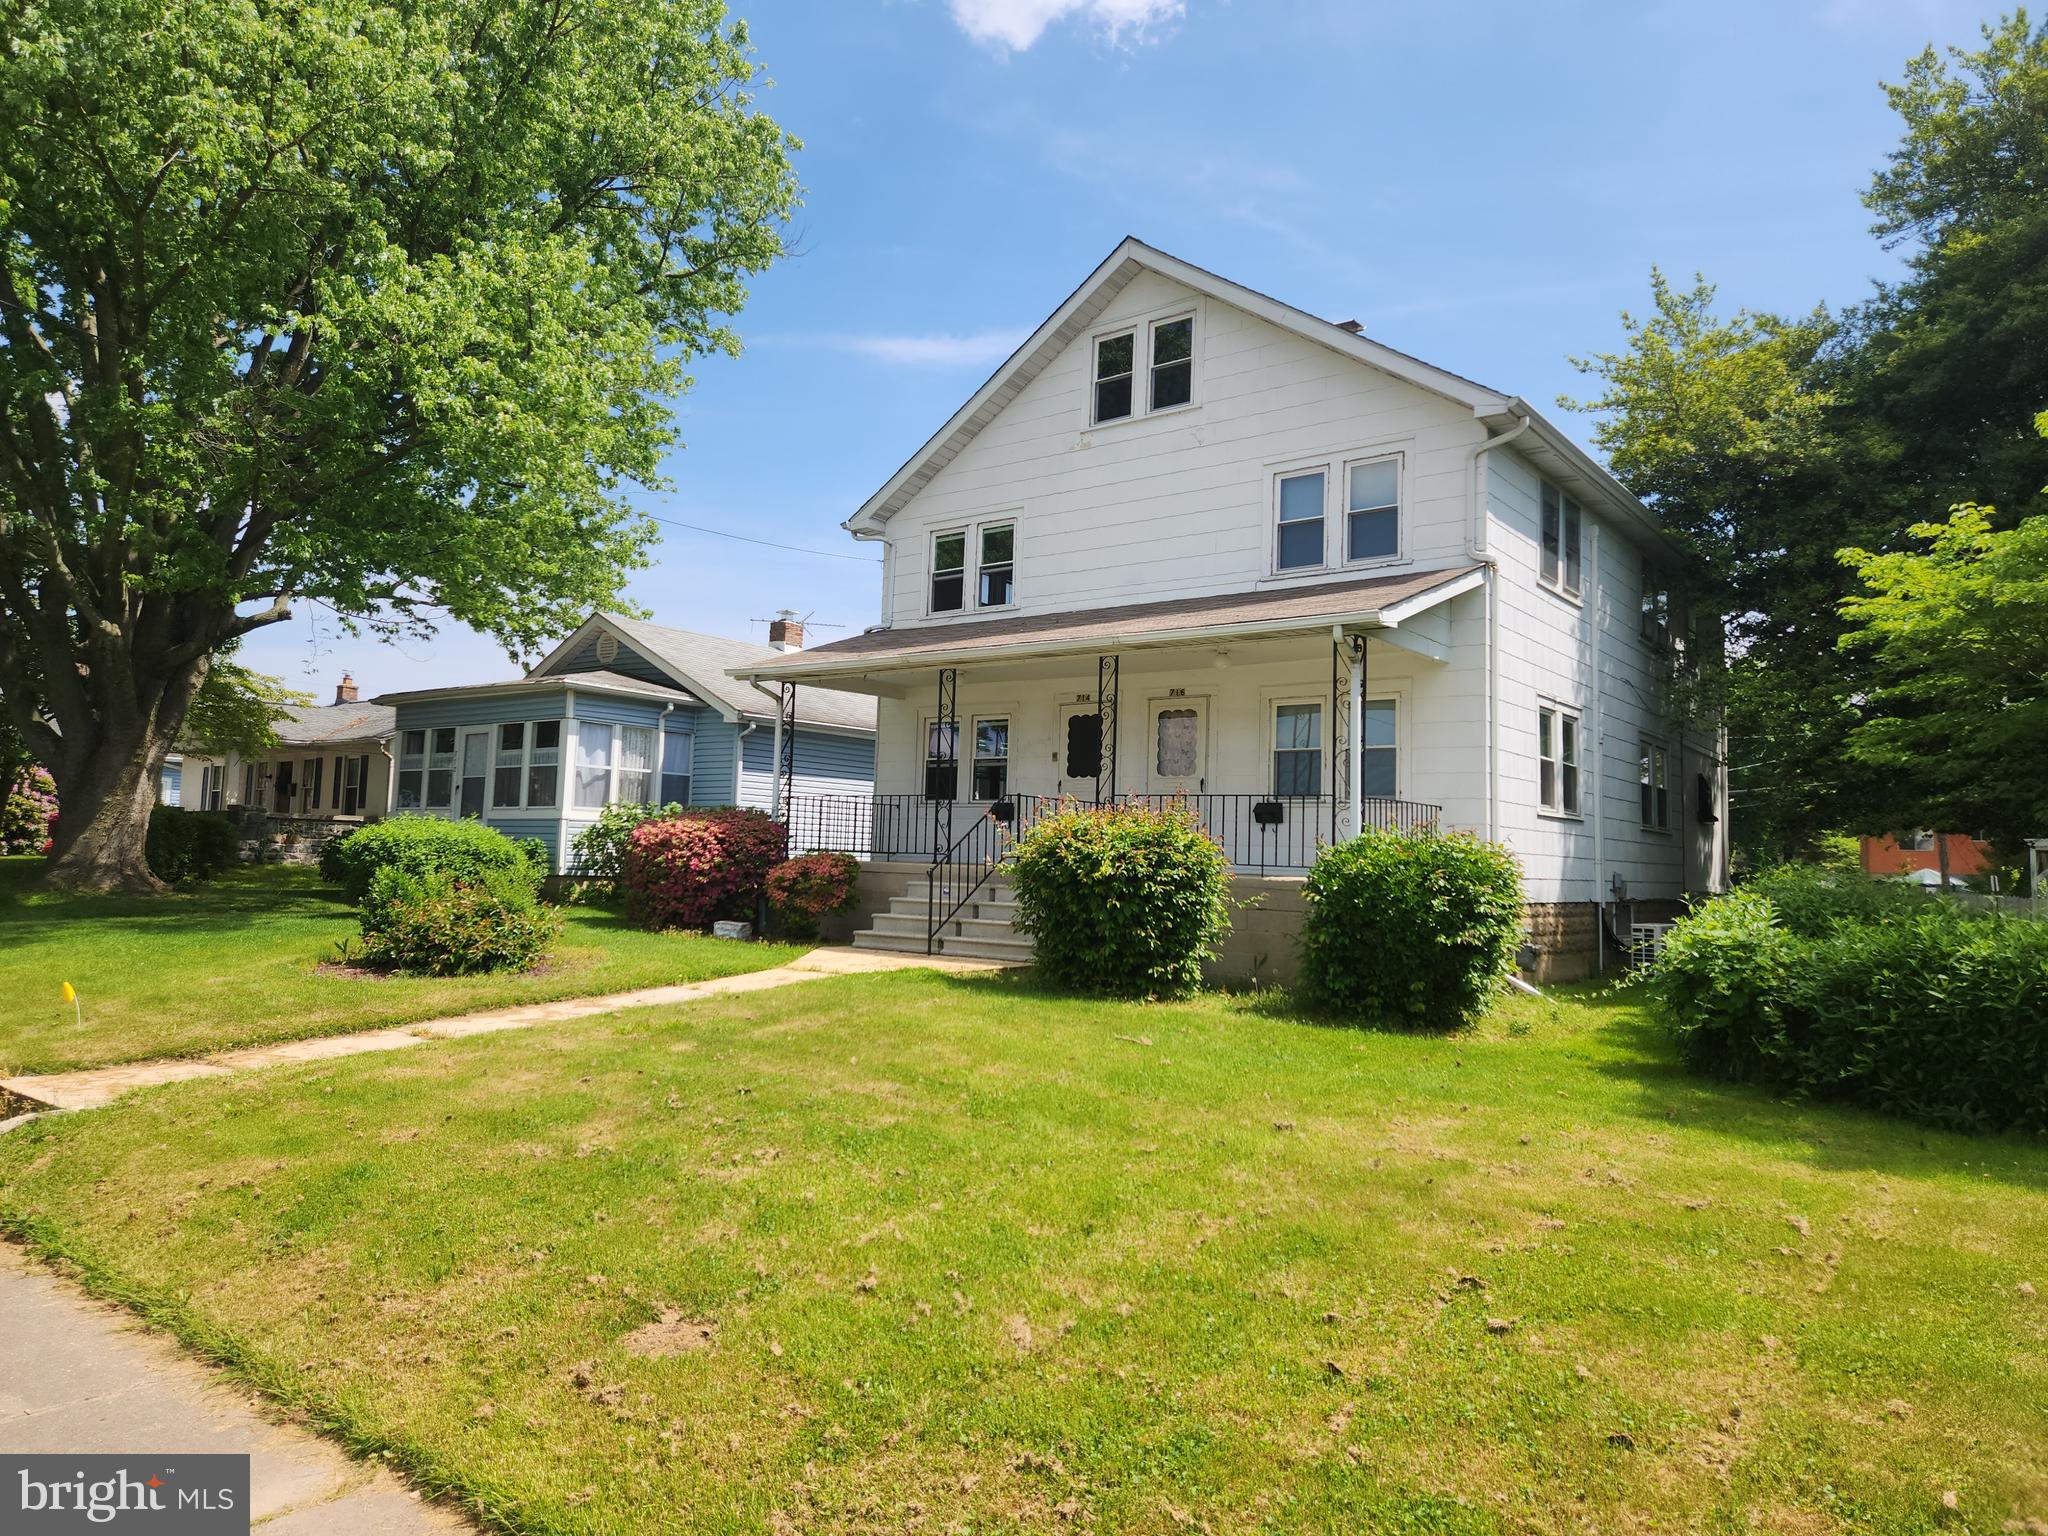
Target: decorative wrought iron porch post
x,y
942,762
1340,735
1107,669
1354,748
785,751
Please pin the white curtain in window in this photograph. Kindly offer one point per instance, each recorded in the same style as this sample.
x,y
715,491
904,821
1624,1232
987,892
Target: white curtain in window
x,y
636,764
593,765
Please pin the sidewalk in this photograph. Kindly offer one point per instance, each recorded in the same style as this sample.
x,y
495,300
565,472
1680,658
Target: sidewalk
x,y
102,1085
84,1377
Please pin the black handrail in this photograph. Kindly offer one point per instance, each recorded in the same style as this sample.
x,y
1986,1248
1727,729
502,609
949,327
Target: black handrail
x,y
955,879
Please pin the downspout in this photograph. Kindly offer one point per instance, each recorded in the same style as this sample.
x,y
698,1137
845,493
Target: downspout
x,y
739,756
661,743
1476,547
1595,615
390,774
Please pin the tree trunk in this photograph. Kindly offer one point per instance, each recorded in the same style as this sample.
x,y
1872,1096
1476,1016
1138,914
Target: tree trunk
x,y
100,845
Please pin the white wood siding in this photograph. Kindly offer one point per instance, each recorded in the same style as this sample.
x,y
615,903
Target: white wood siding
x,y
1178,504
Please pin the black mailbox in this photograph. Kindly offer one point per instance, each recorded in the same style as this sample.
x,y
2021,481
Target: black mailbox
x,y
1269,813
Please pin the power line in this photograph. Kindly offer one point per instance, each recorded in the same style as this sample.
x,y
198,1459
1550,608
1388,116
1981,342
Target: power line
x,y
720,533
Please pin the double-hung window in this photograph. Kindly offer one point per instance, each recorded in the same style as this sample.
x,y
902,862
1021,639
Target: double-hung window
x,y
1115,362
211,778
676,748
510,766
1653,780
1561,535
1372,510
991,758
1298,749
635,784
309,787
949,572
544,765
593,766
441,768
998,561
1300,536
1557,755
1656,622
1173,362
1381,755
941,760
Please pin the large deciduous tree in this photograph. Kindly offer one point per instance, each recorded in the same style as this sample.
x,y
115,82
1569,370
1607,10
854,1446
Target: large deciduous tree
x,y
373,303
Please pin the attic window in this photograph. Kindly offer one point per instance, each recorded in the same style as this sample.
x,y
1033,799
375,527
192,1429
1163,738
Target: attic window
x,y
607,648
1115,357
1173,362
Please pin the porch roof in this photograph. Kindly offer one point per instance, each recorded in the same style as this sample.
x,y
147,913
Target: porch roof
x,y
1373,602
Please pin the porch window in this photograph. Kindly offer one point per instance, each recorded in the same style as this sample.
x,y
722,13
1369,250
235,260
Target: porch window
x,y
412,767
310,774
941,760
949,572
1177,751
991,759
676,750
1114,356
1381,760
1652,781
211,779
1561,528
544,764
636,765
248,783
510,767
1372,510
441,768
349,785
998,560
1301,521
1298,749
1557,753
1173,362
593,765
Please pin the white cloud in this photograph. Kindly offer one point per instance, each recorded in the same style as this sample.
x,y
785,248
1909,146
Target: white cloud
x,y
981,349
1017,24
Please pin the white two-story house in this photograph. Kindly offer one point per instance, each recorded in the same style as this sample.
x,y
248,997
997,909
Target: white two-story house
x,y
1189,541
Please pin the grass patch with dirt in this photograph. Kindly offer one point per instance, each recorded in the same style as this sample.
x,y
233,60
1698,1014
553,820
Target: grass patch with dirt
x,y
248,959
917,1252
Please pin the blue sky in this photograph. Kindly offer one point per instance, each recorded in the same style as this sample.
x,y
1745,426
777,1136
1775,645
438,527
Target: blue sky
x,y
1484,185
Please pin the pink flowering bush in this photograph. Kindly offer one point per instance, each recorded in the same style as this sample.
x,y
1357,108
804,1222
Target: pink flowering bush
x,y
805,890
29,818
688,871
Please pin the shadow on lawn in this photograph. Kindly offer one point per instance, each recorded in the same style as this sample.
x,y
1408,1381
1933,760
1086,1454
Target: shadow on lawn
x,y
28,913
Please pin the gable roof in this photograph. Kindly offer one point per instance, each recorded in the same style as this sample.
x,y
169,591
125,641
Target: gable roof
x,y
703,665
1495,409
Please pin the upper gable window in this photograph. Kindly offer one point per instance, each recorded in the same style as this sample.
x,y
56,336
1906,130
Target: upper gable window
x,y
1561,534
1656,621
1301,522
1173,362
1115,360
949,572
1372,510
998,561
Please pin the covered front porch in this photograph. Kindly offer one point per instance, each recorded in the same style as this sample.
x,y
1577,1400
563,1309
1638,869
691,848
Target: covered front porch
x,y
1282,731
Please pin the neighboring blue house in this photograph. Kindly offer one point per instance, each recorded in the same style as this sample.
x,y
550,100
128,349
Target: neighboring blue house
x,y
622,712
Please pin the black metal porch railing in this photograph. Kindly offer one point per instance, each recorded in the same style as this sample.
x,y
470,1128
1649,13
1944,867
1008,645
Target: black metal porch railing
x,y
953,880
1259,833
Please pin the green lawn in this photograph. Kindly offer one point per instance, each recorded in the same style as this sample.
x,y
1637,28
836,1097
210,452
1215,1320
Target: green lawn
x,y
973,1258
235,963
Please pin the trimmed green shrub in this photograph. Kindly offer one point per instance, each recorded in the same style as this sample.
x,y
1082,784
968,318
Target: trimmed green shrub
x,y
1811,900
1926,1013
1413,929
688,871
811,887
1122,900
434,924
184,846
598,852
427,845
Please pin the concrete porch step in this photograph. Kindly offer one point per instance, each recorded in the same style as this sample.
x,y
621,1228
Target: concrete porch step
x,y
912,924
914,906
1015,951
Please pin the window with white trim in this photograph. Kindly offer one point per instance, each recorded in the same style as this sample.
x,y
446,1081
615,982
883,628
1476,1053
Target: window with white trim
x,y
441,768
1656,620
211,779
634,781
991,757
593,788
677,748
309,781
1173,362
1562,518
1372,509
1381,751
941,759
1557,758
544,765
1115,364
1297,748
994,587
949,572
1298,498
1653,780
509,767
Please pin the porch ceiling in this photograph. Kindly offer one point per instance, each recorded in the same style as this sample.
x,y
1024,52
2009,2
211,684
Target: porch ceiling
x,y
872,662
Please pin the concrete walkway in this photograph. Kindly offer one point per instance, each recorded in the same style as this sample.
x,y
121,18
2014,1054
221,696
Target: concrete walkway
x,y
84,1377
102,1085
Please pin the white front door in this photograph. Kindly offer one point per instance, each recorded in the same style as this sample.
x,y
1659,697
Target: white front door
x,y
1177,745
476,772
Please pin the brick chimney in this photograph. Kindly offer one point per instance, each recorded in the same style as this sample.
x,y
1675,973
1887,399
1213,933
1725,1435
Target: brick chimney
x,y
345,690
786,631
